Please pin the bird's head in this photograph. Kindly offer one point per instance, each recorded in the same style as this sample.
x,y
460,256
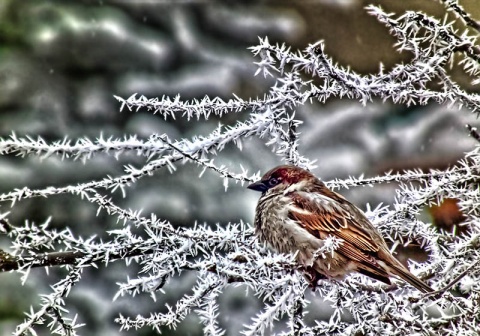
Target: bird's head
x,y
282,177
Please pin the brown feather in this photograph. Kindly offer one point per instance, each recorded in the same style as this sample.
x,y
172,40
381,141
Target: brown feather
x,y
332,214
351,251
338,222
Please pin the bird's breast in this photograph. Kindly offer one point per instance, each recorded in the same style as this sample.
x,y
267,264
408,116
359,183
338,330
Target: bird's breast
x,y
274,227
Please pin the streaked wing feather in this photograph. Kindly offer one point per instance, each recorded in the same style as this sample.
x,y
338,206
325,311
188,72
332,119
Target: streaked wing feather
x,y
317,219
369,262
354,252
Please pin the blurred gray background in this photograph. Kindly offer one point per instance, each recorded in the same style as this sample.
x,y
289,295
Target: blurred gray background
x,y
61,62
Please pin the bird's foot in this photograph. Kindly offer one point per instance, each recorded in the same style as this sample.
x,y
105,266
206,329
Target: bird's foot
x,y
312,277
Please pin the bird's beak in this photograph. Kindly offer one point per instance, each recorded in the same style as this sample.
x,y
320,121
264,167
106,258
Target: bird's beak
x,y
258,186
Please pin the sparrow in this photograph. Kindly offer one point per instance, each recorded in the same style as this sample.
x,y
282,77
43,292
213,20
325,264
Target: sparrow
x,y
297,212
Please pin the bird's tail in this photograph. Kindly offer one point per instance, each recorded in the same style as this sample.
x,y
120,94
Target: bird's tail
x,y
398,269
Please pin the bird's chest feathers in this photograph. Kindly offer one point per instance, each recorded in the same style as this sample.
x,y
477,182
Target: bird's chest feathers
x,y
280,232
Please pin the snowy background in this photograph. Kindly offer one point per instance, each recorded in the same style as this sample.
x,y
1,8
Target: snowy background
x,y
61,62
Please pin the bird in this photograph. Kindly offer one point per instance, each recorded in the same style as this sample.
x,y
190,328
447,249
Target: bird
x,y
297,212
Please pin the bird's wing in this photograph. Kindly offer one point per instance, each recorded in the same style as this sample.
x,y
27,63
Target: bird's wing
x,y
331,214
320,214
323,216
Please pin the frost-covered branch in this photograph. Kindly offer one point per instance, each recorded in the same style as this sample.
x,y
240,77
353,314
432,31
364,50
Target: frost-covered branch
x,y
455,7
224,255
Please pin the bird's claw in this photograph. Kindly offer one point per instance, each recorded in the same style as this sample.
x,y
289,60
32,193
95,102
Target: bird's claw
x,y
312,276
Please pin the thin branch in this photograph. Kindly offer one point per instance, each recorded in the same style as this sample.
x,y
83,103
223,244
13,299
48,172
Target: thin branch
x,y
440,292
473,132
455,7
63,258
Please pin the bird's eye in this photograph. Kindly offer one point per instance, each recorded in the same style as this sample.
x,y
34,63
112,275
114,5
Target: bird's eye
x,y
273,181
